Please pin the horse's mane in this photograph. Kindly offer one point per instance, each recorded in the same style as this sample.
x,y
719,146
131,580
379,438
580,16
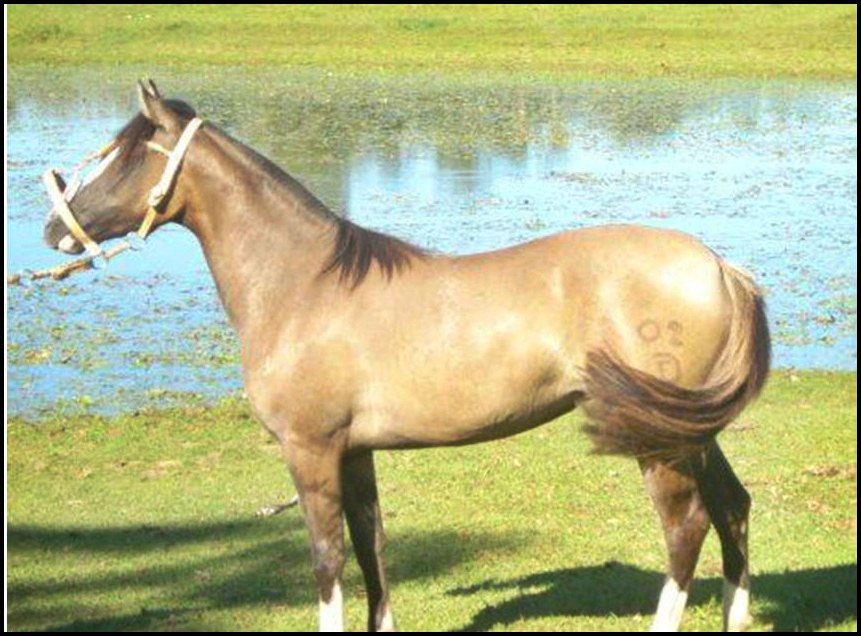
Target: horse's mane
x,y
356,249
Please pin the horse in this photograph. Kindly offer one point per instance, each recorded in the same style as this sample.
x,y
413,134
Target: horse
x,y
354,341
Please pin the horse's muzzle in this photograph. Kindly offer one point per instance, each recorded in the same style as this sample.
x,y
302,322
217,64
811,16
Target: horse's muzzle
x,y
62,231
56,235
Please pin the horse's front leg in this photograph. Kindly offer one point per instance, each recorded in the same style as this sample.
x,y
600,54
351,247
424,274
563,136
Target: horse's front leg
x,y
315,465
362,508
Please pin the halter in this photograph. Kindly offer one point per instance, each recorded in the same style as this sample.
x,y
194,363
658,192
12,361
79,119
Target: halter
x,y
60,197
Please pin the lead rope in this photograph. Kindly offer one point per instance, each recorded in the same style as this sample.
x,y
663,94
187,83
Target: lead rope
x,y
134,241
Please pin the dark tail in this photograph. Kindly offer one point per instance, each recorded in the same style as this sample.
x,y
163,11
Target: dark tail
x,y
635,413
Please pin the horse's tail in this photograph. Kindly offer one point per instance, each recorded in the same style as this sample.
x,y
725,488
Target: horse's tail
x,y
632,412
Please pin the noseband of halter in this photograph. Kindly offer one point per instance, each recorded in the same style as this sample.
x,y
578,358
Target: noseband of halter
x,y
60,197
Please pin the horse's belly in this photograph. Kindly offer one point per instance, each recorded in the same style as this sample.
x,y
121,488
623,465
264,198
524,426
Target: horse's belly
x,y
458,408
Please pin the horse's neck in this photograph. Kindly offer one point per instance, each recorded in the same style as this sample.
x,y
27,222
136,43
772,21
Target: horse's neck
x,y
266,239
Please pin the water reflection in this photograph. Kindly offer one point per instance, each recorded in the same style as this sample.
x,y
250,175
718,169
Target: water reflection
x,y
765,174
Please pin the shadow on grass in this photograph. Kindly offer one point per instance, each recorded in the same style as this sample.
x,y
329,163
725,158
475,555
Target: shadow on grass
x,y
167,578
801,600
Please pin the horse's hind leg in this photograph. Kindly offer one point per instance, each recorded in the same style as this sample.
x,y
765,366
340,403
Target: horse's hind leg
x,y
728,504
362,509
685,523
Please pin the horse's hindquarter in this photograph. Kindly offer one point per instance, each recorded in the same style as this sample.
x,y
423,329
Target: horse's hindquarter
x,y
659,302
457,350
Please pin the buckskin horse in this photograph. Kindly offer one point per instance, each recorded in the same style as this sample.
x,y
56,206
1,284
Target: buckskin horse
x,y
353,341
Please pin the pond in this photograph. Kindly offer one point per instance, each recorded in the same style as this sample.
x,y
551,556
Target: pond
x,y
764,173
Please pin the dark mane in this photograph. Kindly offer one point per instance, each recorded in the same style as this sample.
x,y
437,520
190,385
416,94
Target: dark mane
x,y
357,249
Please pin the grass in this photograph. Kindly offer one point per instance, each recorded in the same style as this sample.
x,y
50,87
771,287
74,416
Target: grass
x,y
561,41
143,522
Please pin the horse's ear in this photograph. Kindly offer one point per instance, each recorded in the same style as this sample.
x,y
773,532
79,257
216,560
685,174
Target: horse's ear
x,y
147,101
153,107
152,89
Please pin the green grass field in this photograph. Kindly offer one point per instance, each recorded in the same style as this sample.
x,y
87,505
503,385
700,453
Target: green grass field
x,y
562,41
144,522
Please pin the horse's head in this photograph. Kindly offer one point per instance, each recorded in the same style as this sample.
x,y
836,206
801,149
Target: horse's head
x,y
129,184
